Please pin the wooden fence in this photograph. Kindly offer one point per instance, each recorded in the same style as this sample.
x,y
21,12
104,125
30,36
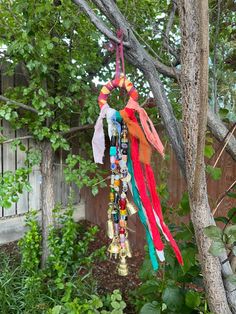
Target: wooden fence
x,y
95,207
11,160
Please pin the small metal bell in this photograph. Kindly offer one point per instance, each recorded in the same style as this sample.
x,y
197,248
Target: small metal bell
x,y
128,248
131,209
110,229
123,267
114,248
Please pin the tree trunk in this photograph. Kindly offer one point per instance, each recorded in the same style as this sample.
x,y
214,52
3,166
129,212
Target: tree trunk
x,y
47,194
194,86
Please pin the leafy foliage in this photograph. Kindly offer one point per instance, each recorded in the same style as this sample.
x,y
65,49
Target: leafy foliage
x,y
65,283
174,289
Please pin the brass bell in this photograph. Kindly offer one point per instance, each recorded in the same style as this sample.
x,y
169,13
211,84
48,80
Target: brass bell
x,y
123,267
128,248
110,229
131,209
114,248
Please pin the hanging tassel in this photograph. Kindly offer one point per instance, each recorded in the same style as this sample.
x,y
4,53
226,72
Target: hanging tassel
x,y
153,208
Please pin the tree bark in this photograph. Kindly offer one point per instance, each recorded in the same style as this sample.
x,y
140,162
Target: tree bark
x,y
194,87
47,196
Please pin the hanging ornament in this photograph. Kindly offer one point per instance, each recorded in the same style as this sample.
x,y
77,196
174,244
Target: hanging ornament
x,y
130,155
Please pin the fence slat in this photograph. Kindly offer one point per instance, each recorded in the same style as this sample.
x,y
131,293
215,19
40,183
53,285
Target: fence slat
x,y
22,205
35,182
9,161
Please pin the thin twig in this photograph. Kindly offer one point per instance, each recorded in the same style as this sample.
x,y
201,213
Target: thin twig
x,y
18,104
107,178
228,137
78,128
17,138
220,200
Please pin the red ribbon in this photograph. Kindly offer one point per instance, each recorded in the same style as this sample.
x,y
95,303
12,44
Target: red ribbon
x,y
154,204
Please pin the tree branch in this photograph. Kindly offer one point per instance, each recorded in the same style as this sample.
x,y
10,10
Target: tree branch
x,y
18,104
98,22
78,128
17,138
139,58
220,131
166,43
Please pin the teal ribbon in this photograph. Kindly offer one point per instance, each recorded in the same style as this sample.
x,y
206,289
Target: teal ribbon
x,y
138,203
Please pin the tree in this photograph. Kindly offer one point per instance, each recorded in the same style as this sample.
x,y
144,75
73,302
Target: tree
x,y
194,84
193,19
42,38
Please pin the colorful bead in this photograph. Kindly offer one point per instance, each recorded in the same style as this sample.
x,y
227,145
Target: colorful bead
x,y
116,183
122,230
112,159
112,151
123,212
112,197
123,223
113,167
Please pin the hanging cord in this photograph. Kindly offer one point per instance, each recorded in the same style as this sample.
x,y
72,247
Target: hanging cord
x,y
120,55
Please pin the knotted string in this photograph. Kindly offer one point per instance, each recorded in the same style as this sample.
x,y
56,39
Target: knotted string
x,y
120,55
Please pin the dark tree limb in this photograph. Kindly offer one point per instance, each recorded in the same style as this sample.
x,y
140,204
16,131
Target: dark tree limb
x,y
220,131
166,42
18,104
137,56
98,22
78,128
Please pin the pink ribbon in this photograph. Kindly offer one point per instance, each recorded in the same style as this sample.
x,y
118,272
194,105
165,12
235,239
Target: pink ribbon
x,y
98,141
148,126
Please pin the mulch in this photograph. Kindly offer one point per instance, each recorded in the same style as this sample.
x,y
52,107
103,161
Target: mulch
x,y
105,272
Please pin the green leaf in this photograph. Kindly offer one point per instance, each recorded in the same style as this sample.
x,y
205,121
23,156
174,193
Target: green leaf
x,y
173,297
209,151
231,194
184,205
150,308
192,299
232,214
230,231
115,305
217,248
213,232
189,258
146,271
94,190
56,309
222,219
214,172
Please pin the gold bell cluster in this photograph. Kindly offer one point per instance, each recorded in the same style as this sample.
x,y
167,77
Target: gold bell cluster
x,y
119,208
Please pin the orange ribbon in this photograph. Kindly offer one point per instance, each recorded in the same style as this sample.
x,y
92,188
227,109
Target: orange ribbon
x,y
147,125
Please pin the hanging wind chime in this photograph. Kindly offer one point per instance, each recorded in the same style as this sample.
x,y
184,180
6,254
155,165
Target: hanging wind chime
x,y
130,156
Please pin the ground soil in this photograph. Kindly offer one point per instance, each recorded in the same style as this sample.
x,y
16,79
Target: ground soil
x,y
106,275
